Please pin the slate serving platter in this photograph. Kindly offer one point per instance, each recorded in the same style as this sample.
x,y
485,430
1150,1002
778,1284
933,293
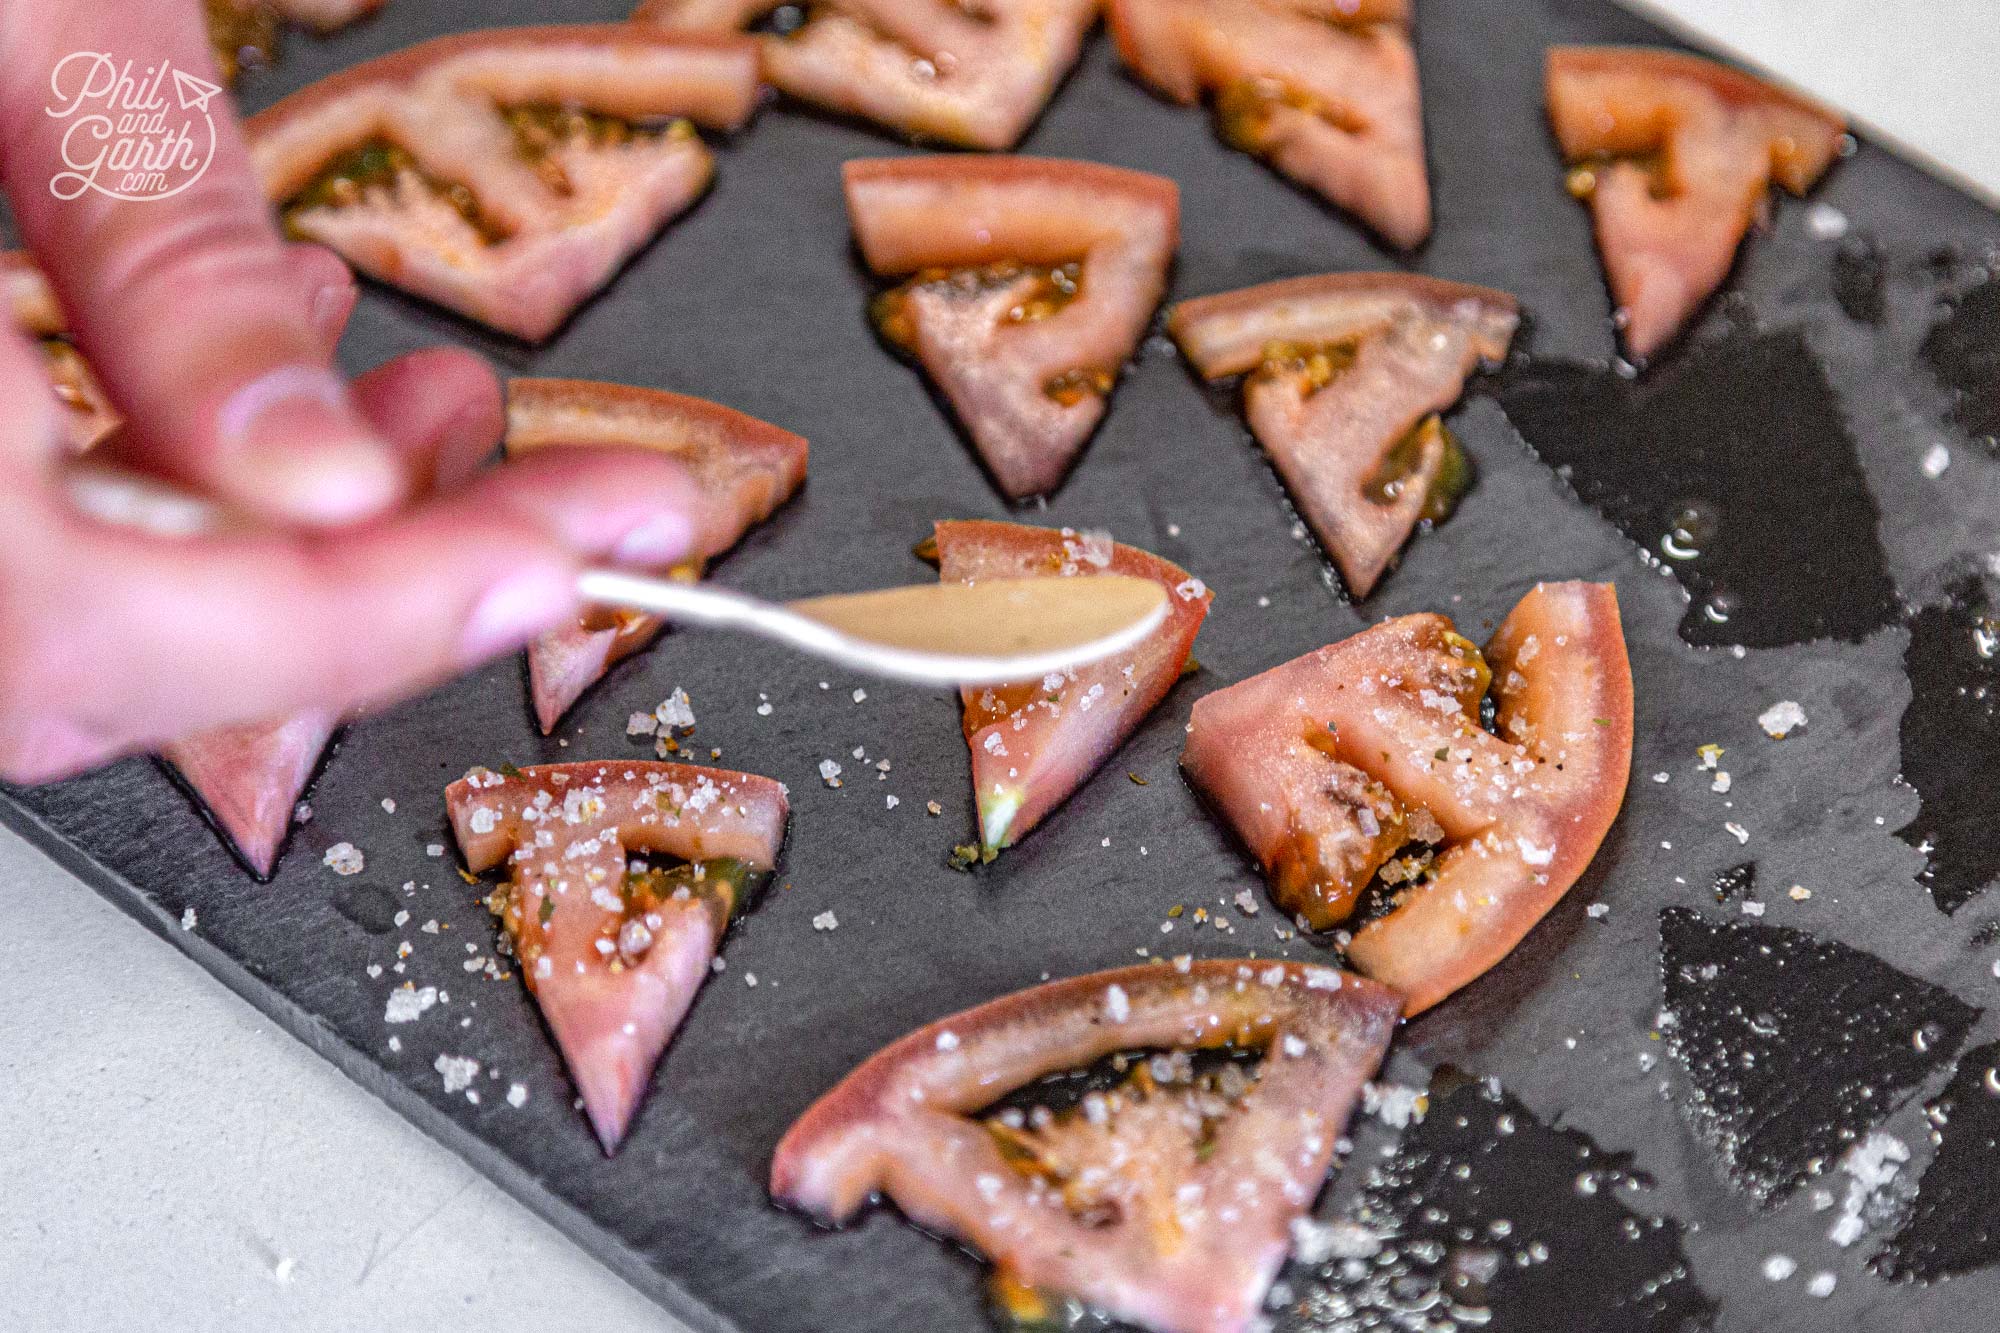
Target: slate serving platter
x,y
1645,1118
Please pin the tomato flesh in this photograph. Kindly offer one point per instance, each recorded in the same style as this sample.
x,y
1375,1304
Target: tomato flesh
x,y
1346,373
613,957
1035,742
1168,1203
1514,815
744,469
1675,155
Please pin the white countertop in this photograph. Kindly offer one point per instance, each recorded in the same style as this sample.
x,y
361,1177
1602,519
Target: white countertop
x,y
172,1159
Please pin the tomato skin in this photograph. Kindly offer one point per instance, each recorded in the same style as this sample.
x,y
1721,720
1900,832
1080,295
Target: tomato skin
x,y
743,467
1523,812
1021,773
1668,236
898,1124
1001,372
1411,343
612,973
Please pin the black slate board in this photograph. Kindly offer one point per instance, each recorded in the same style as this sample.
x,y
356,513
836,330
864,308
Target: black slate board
x,y
1651,1168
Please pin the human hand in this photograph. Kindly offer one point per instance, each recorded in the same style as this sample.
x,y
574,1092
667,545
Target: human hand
x,y
212,338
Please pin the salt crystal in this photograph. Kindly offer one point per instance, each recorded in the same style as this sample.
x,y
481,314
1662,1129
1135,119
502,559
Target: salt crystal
x,y
458,1071
1781,718
344,858
676,710
187,919
826,921
517,1095
829,772
406,1005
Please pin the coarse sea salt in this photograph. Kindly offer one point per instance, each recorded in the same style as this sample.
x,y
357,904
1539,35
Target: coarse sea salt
x,y
1781,719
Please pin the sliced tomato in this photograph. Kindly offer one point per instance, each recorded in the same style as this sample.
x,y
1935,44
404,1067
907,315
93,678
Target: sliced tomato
x,y
614,957
1324,90
1676,155
25,299
1035,742
1347,373
1328,765
250,779
1031,281
973,75
743,467
505,174
1146,1207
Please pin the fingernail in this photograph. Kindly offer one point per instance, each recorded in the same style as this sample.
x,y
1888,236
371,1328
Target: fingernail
x,y
330,305
297,449
515,610
660,540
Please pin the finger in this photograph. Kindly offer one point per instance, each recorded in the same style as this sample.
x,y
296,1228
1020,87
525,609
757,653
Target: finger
x,y
440,409
139,639
189,306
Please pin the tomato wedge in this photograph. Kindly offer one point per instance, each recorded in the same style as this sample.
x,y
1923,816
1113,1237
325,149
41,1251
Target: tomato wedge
x,y
1676,155
743,467
1347,373
1324,90
26,300
1328,765
504,174
249,779
1035,742
1167,1202
614,956
972,75
1030,282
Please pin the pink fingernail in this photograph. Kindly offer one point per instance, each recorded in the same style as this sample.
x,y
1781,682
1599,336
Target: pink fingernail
x,y
515,610
297,447
660,540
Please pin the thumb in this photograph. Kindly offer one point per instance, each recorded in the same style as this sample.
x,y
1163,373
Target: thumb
x,y
189,306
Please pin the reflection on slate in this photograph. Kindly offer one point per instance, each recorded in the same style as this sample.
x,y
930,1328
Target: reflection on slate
x,y
1950,732
1953,1226
1763,515
1964,352
1486,1217
1736,882
1793,1047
